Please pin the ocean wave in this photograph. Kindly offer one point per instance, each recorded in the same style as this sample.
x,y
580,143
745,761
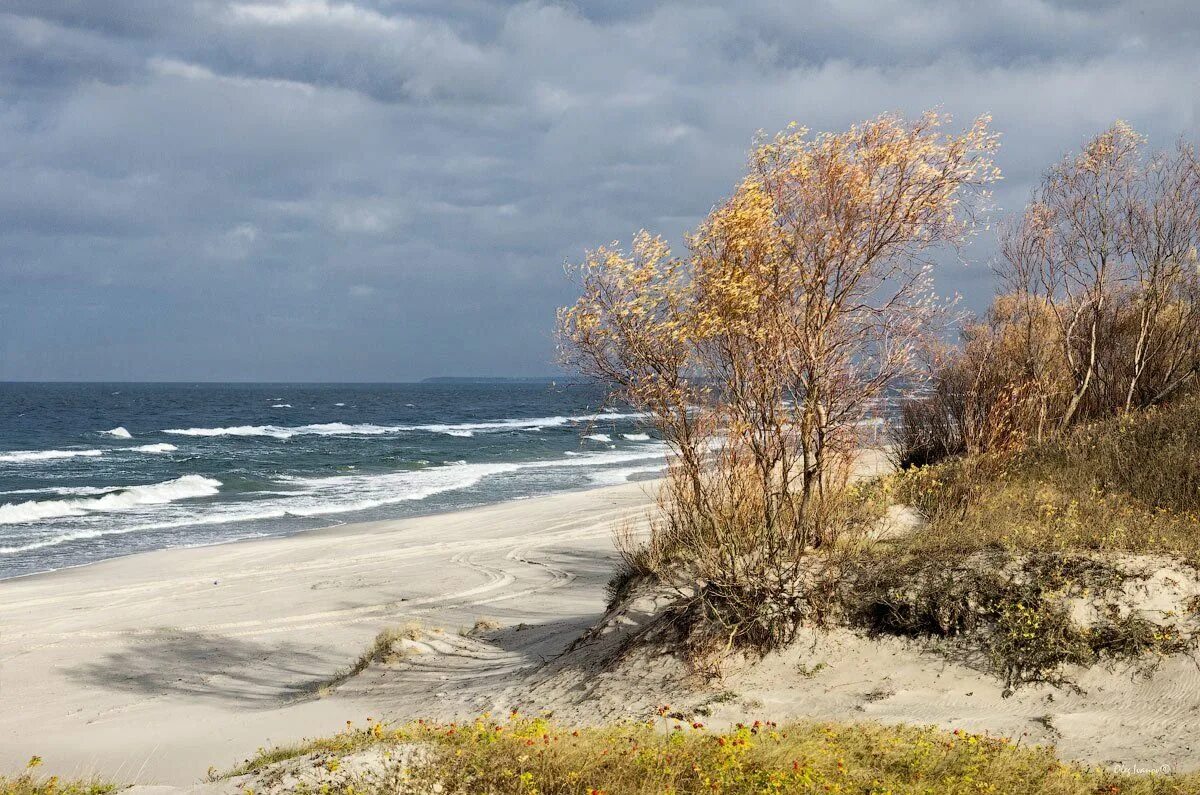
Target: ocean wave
x,y
526,424
119,432
641,453
598,437
186,487
368,429
613,477
281,405
637,437
306,497
66,491
285,432
161,447
24,456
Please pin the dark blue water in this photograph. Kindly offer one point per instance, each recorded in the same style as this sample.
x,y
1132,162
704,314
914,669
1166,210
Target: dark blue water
x,y
93,471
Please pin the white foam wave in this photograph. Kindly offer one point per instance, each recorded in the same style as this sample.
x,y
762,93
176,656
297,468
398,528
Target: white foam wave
x,y
161,447
186,487
637,437
368,429
598,437
641,453
284,432
305,497
24,456
372,491
613,477
67,491
527,424
281,405
119,432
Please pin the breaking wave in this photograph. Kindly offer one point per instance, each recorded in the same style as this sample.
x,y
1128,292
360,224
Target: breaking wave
x,y
303,497
368,429
24,456
161,447
186,487
613,477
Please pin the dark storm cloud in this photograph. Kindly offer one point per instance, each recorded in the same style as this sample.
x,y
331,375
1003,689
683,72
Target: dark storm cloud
x,y
385,189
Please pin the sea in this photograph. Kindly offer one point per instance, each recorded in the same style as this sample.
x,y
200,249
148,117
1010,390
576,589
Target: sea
x,y
96,471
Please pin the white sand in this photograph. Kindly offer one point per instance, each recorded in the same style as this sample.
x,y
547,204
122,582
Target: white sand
x,y
154,667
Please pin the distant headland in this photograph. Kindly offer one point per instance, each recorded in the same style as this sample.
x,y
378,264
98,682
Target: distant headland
x,y
471,379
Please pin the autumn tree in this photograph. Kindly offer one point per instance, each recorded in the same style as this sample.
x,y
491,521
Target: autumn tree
x,y
1107,245
800,300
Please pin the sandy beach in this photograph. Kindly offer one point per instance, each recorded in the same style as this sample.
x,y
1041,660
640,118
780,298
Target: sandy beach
x,y
156,666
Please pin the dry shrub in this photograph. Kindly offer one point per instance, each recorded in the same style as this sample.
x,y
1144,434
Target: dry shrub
x,y
803,298
1002,388
740,584
1097,313
1008,613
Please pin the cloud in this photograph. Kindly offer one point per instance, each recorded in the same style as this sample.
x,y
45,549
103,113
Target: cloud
x,y
234,244
243,174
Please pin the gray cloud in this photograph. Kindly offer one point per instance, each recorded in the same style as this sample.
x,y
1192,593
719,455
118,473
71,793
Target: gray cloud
x,y
377,190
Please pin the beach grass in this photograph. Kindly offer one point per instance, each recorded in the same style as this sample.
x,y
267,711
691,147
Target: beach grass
x,y
1129,484
31,783
518,755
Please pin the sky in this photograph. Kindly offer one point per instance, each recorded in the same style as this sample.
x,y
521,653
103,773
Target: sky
x,y
380,190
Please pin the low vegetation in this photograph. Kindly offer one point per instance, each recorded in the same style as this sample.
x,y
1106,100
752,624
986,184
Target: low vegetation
x,y
537,756
1017,543
1129,484
1056,441
391,645
31,783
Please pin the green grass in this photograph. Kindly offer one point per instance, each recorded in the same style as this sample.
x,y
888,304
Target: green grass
x,y
538,756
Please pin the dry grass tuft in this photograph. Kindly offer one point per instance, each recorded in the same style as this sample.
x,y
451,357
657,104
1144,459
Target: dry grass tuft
x,y
390,646
482,626
30,783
